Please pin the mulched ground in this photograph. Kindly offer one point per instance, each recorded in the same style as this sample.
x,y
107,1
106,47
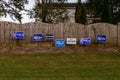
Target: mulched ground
x,y
68,49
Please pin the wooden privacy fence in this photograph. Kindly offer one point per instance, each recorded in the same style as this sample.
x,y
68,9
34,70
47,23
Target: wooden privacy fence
x,y
60,31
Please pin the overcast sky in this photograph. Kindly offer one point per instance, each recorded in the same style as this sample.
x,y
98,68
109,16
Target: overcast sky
x,y
29,6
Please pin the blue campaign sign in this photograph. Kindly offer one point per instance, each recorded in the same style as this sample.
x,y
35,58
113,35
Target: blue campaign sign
x,y
85,41
37,37
60,43
49,37
18,35
101,38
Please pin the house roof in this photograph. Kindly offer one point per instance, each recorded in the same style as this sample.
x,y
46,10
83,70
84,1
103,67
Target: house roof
x,y
67,5
70,4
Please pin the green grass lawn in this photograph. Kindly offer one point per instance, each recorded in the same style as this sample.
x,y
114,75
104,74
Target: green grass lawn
x,y
83,66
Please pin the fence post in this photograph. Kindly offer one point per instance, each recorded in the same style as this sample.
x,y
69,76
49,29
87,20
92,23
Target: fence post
x,y
118,34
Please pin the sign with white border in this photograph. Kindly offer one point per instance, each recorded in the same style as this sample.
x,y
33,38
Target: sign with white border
x,y
71,41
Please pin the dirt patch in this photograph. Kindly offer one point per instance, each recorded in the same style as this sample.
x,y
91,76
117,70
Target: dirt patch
x,y
32,50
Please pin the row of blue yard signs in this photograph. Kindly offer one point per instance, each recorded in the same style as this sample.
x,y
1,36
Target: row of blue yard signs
x,y
61,42
35,38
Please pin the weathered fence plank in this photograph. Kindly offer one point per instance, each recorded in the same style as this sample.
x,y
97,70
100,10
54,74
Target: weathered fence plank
x,y
118,35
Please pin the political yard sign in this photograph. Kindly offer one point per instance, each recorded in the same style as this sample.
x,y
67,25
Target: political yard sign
x,y
18,35
37,37
60,43
49,37
101,38
85,41
71,41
